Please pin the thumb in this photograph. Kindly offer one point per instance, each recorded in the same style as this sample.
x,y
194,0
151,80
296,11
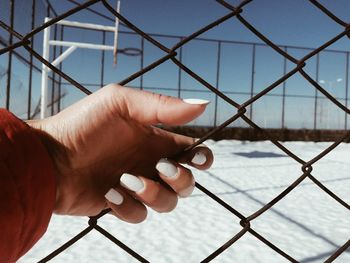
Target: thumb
x,y
151,108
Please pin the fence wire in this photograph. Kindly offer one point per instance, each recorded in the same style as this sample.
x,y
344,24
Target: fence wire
x,y
20,40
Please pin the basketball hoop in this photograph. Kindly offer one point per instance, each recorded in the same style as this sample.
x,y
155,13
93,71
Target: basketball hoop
x,y
71,47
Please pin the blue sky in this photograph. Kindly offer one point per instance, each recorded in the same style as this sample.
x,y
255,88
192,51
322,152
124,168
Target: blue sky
x,y
287,22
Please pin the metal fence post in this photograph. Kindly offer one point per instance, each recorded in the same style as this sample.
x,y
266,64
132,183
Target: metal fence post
x,y
252,80
346,89
316,91
284,89
44,73
217,82
179,80
60,78
53,89
103,59
31,65
9,64
142,61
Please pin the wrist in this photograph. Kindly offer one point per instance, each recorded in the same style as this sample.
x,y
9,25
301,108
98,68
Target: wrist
x,y
53,148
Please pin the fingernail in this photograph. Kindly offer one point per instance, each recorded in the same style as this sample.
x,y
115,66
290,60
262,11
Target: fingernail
x,y
196,101
114,197
199,158
131,182
166,168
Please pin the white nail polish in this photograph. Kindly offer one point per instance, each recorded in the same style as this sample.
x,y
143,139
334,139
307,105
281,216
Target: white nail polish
x,y
166,168
196,101
131,182
199,158
114,197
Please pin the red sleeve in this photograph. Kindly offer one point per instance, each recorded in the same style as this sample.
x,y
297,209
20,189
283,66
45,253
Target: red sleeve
x,y
27,188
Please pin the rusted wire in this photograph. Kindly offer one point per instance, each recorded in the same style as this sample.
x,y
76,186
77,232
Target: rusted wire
x,y
170,54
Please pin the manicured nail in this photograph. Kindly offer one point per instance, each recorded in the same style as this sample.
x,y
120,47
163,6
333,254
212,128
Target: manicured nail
x,y
131,182
114,197
196,101
166,168
199,158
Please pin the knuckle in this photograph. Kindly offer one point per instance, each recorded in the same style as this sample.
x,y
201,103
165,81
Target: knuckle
x,y
161,101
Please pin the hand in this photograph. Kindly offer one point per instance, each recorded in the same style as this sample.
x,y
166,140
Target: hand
x,y
106,153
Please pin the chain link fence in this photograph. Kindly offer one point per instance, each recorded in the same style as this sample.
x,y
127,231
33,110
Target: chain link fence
x,y
234,12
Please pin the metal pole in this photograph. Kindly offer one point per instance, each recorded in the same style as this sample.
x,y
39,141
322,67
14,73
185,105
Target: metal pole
x,y
217,83
78,44
346,88
62,57
60,78
31,66
284,88
48,10
103,59
86,26
9,64
179,75
53,75
44,71
252,81
316,91
142,61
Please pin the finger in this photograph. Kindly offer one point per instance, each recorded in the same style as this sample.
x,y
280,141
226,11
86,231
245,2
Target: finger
x,y
124,206
200,157
131,103
179,178
150,192
165,144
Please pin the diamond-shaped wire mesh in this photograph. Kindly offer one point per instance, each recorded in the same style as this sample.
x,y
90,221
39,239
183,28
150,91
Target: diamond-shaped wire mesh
x,y
171,53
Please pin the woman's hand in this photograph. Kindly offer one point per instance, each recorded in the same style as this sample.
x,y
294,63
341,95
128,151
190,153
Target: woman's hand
x,y
107,153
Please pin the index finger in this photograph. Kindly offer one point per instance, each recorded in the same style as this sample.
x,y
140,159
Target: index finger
x,y
200,157
171,145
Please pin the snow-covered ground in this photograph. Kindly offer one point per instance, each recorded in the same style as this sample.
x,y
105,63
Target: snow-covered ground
x,y
307,224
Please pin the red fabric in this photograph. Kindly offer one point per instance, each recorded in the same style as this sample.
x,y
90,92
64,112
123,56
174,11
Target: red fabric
x,y
27,188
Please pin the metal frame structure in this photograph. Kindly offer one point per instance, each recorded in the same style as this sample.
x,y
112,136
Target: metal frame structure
x,y
72,46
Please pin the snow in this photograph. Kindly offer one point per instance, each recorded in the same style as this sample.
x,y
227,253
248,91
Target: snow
x,y
307,224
